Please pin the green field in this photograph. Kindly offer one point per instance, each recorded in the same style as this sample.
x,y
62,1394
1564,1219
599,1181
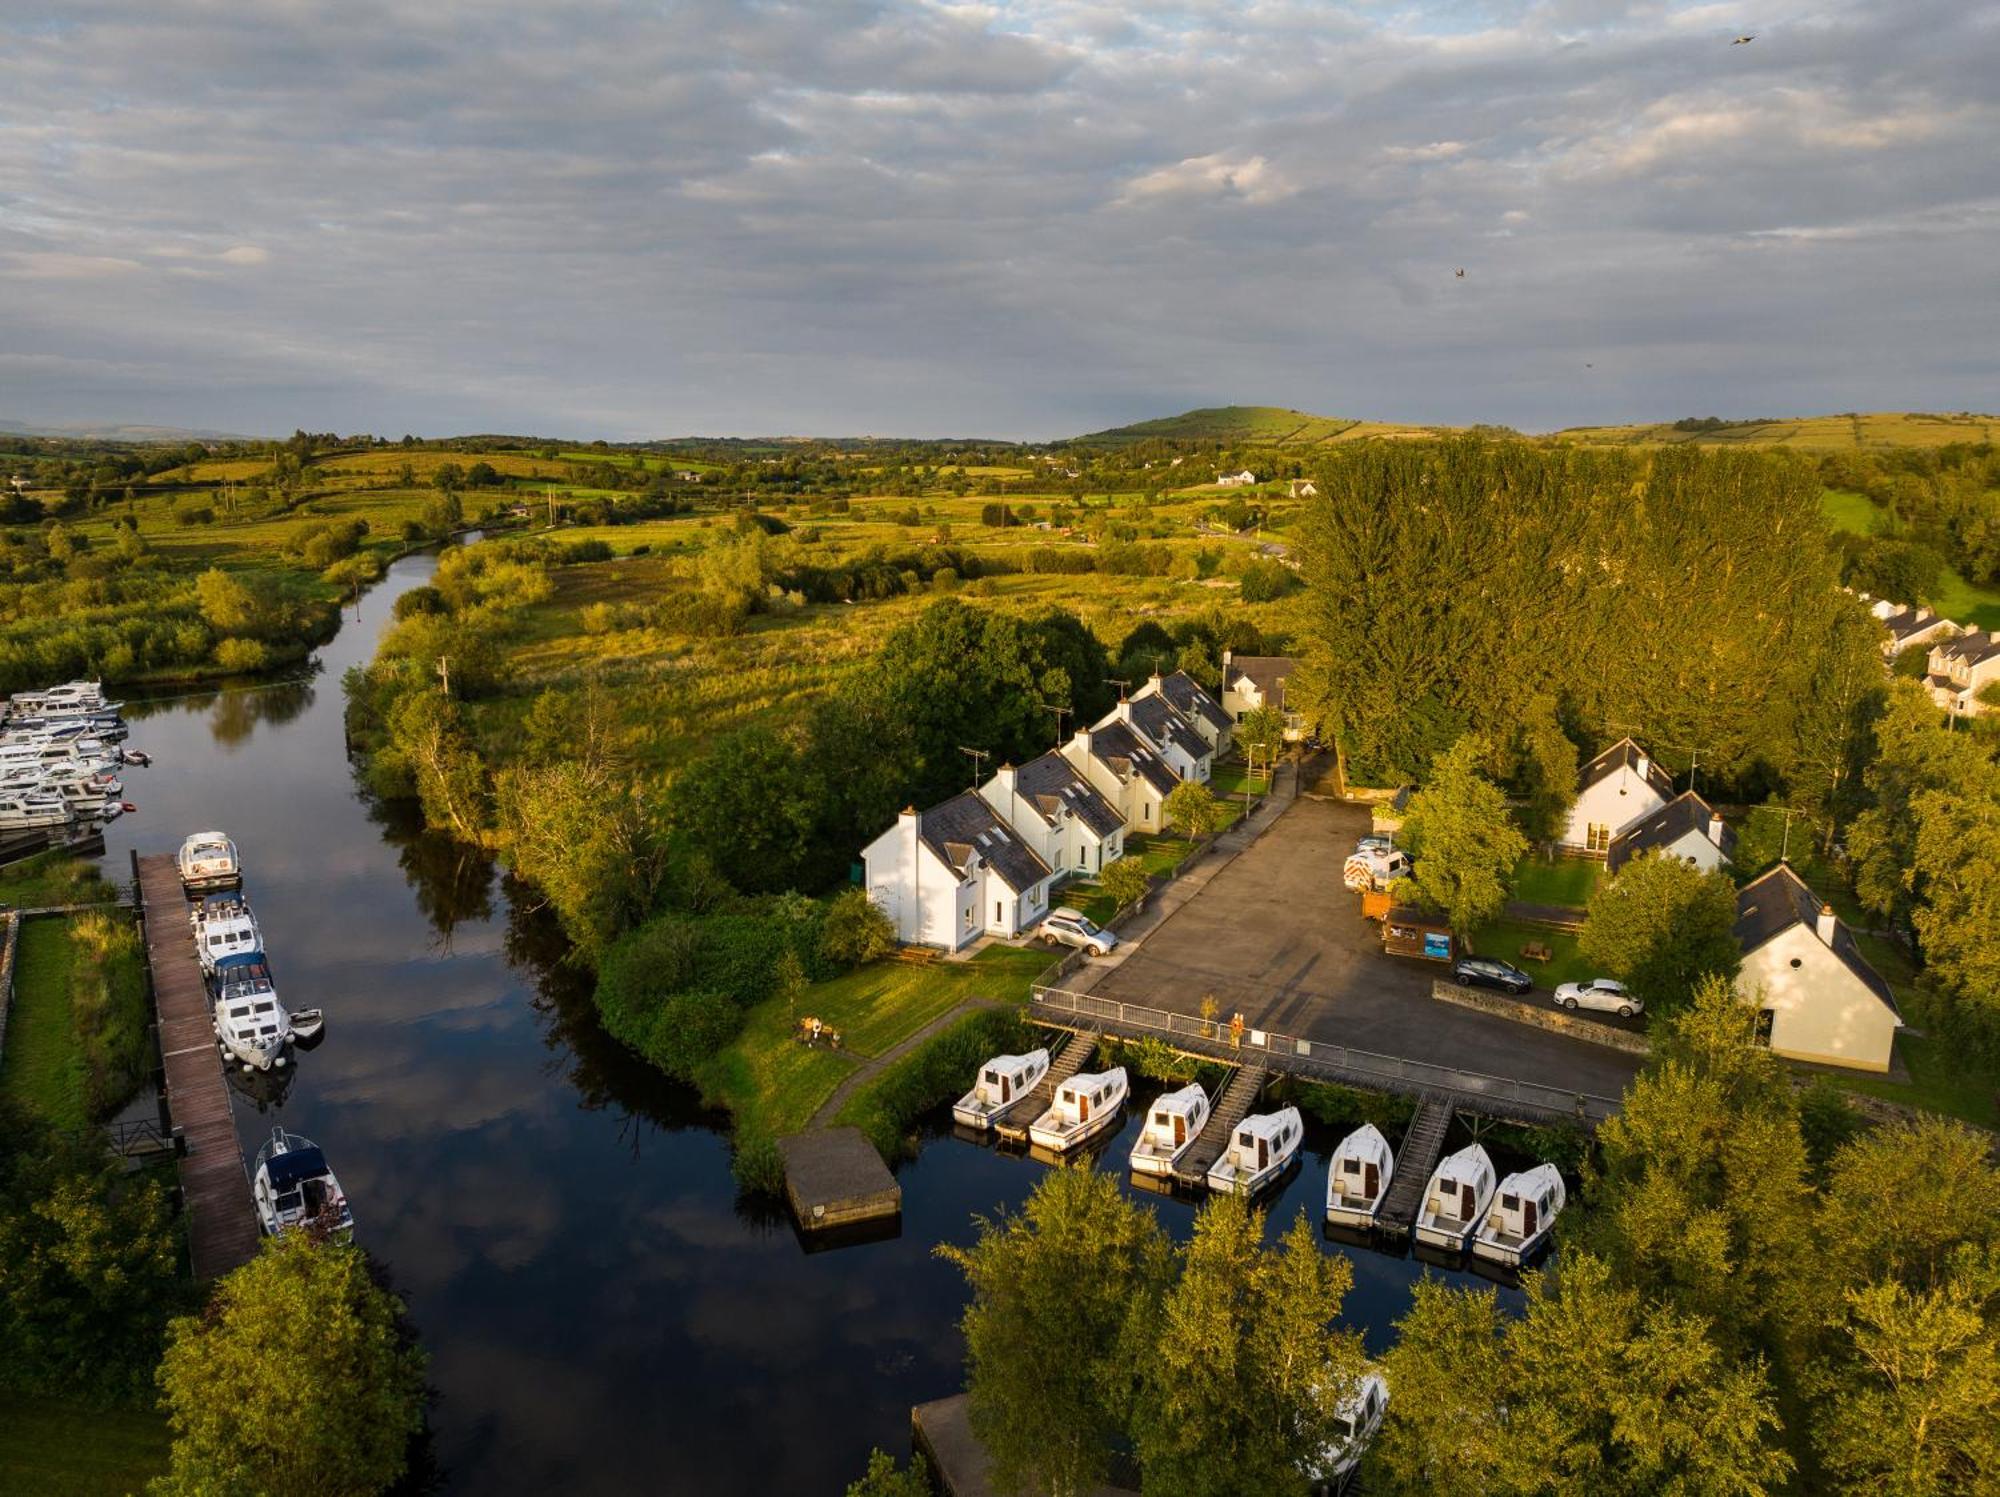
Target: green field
x,y
1263,425
1959,599
43,1066
52,878
1842,433
54,1449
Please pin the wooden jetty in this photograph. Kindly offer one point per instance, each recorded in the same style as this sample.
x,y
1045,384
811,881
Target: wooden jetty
x,y
1416,1157
834,1178
1239,1094
215,1185
942,1431
1012,1123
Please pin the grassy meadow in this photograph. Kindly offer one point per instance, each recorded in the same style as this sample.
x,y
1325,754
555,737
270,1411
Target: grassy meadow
x,y
1959,598
1811,434
43,1066
53,1448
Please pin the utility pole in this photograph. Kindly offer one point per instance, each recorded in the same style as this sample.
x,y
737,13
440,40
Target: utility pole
x,y
978,758
1785,841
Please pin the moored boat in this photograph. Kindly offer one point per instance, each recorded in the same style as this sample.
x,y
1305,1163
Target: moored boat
x,y
1172,1124
1003,1081
1358,1177
1259,1149
1455,1199
1356,1423
1522,1215
295,1189
207,860
223,926
250,1023
1084,1107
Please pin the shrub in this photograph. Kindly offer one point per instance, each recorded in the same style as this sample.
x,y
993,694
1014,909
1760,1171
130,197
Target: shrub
x,y
689,1029
108,1002
240,656
193,514
854,931
1347,1106
1267,581
932,1073
425,599
757,1165
1125,881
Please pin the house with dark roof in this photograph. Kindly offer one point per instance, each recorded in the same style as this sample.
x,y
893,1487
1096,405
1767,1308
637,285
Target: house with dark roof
x,y
1960,667
1616,791
951,874
1817,997
1688,828
1059,813
1251,681
1195,703
1126,770
1170,735
1914,626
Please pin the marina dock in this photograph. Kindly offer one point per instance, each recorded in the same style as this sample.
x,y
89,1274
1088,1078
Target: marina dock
x,y
1012,1123
1239,1095
215,1185
1418,1155
834,1178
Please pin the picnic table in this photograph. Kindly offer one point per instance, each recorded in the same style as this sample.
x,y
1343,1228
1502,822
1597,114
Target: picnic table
x,y
1536,951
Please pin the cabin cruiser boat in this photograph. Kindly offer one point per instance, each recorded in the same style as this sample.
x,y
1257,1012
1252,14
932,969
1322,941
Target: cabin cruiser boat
x,y
88,795
295,1189
1171,1128
1455,1199
223,927
250,1023
1357,1181
1084,1107
1260,1148
1522,1215
26,810
1003,1081
1356,1424
207,860
71,696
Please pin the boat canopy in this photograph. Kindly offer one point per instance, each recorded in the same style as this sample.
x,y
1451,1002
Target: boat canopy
x,y
295,1166
245,963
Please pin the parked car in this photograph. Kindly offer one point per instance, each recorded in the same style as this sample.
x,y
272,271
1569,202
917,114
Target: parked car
x,y
1600,993
1491,972
1069,927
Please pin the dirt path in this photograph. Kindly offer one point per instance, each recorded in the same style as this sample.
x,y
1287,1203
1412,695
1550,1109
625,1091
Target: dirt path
x,y
851,1082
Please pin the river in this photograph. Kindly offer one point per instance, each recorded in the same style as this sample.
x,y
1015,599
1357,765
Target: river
x,y
602,1315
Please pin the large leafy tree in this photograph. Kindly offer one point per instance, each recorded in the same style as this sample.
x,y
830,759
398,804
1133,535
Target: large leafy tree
x,y
300,1378
1662,926
1191,809
1261,735
1463,839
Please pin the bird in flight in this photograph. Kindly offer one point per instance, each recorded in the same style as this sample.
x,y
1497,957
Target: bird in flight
x,y
1744,41
1461,274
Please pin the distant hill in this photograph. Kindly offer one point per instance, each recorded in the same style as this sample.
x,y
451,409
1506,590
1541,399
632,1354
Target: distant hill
x,y
1845,433
1263,425
116,433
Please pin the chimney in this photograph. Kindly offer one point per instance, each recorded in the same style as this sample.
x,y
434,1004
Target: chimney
x,y
1643,764
1715,828
1827,921
1005,775
1155,681
1227,654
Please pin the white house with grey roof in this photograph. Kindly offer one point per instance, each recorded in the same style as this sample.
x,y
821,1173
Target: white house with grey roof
x,y
1687,828
1960,667
1616,791
1195,703
1915,626
1172,736
1252,681
1126,770
1818,998
1058,813
951,874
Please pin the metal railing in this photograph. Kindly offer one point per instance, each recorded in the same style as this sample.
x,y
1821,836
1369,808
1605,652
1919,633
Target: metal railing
x,y
1320,1060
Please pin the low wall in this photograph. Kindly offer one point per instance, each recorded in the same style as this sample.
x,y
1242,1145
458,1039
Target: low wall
x,y
1552,1019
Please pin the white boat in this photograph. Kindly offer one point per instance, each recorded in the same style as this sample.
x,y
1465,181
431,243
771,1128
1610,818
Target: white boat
x,y
1262,1145
223,928
207,860
1522,1215
71,696
1084,1107
26,810
250,1023
1357,1180
295,1189
1456,1198
307,1025
1003,1081
88,795
1356,1423
1171,1128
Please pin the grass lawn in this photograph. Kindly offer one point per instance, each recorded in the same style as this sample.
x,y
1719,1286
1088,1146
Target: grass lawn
x,y
1939,1081
773,1084
52,878
1568,881
1233,779
43,1064
1505,938
1850,511
65,1450
1159,853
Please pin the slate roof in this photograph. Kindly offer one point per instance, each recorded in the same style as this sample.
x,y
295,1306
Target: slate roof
x,y
1913,621
964,826
1052,784
1121,748
1975,648
1157,719
1192,699
1665,827
1625,754
1769,906
1266,673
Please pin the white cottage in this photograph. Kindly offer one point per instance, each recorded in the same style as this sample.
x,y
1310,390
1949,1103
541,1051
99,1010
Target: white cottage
x,y
951,874
1059,813
1169,734
1914,626
1193,702
1615,792
1125,771
1960,668
1250,681
1818,999
1688,828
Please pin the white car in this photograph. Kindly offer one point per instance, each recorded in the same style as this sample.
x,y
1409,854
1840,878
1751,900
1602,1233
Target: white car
x,y
1074,928
1600,993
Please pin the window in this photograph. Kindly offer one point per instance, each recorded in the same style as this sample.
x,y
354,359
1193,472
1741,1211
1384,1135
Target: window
x,y
999,913
969,915
1598,837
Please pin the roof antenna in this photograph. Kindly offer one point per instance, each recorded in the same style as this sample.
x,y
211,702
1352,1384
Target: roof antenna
x,y
1121,685
1062,714
978,757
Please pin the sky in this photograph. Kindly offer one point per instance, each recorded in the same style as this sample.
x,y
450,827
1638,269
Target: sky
x,y
593,218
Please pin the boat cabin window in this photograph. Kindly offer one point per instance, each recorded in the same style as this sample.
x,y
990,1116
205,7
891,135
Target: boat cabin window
x,y
1161,1118
1343,1426
1350,1166
1246,1138
1510,1203
992,1078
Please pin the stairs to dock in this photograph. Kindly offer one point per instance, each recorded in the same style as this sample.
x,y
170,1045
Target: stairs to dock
x,y
1012,1123
1238,1096
1416,1157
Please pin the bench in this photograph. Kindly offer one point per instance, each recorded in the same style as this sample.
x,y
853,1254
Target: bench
x,y
1536,951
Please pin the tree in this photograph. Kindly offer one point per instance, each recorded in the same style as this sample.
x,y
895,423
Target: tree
x,y
1914,753
579,831
882,1479
226,603
855,931
448,479
1662,927
1126,881
1262,734
300,1378
1956,865
1191,809
1247,1375
428,733
1545,765
1463,840
1061,1297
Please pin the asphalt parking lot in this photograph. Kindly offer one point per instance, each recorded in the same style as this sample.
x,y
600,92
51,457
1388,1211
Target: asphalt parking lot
x,y
1276,936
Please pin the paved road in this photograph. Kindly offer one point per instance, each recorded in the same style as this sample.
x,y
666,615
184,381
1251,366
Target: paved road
x,y
1275,935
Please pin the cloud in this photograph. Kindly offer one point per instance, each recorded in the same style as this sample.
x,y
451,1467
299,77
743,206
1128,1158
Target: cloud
x,y
1030,218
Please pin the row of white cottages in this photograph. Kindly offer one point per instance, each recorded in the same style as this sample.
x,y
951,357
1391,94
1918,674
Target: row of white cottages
x,y
1959,663
1819,998
984,862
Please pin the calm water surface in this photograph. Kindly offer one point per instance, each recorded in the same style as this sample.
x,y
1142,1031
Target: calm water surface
x,y
602,1314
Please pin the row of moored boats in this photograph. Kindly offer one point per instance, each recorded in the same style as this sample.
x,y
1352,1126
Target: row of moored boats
x,y
294,1187
1464,1205
60,759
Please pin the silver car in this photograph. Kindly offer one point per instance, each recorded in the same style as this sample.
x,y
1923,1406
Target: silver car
x,y
1074,928
1600,993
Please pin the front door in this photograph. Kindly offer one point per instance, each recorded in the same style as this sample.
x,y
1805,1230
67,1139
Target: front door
x,y
1465,1206
1369,1177
1263,1152
1180,1129
1527,1218
1083,1107
1004,1089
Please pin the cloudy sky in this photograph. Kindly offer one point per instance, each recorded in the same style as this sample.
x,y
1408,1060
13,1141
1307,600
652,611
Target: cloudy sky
x,y
1023,219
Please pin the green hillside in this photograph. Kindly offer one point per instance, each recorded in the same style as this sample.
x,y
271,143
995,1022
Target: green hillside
x,y
1264,425
1851,432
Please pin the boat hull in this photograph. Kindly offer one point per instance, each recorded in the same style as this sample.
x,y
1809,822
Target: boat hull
x,y
1226,1179
1354,1216
1450,1239
1061,1140
1494,1250
973,1114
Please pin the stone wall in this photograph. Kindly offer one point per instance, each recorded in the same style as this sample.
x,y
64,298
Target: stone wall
x,y
1553,1019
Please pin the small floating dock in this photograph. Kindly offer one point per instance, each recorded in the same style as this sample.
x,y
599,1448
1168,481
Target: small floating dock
x,y
215,1185
942,1431
834,1178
